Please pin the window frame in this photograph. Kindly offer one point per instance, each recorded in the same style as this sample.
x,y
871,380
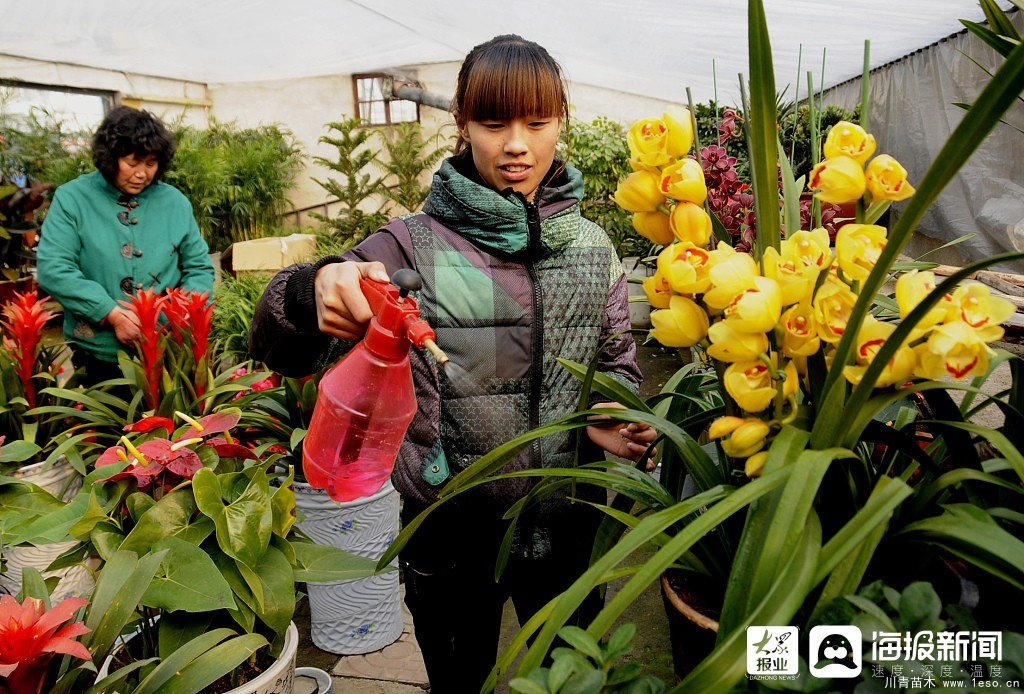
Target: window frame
x,y
357,102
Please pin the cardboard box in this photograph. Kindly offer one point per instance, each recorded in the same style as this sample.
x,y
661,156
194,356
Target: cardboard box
x,y
268,254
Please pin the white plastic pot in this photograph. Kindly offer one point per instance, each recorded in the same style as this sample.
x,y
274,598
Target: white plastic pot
x,y
64,482
279,678
361,615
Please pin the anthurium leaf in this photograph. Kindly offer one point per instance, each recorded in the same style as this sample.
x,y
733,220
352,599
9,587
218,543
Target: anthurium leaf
x,y
176,659
51,526
137,504
325,564
17,451
243,526
170,516
93,514
106,537
253,583
188,580
214,664
283,505
278,586
245,602
22,503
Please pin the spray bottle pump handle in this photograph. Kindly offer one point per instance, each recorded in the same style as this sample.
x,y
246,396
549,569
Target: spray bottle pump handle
x,y
407,281
396,315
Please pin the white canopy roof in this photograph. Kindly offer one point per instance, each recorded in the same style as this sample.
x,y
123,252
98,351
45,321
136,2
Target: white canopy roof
x,y
651,47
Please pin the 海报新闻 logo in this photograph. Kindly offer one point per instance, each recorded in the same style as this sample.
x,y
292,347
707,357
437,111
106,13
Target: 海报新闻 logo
x,y
835,651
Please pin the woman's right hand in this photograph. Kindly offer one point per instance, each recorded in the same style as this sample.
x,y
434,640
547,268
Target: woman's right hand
x,y
341,309
125,325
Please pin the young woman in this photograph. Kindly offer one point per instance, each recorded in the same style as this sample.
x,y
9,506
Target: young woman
x,y
513,278
115,231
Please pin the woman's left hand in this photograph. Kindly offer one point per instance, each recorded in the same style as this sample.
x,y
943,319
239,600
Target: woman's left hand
x,y
629,441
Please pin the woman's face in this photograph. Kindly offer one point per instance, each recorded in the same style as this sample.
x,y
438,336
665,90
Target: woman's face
x,y
134,173
513,153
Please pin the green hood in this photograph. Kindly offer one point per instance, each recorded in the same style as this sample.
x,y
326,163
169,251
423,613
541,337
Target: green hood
x,y
497,220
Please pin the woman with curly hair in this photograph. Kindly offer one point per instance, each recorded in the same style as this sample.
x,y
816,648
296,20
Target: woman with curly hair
x,y
115,231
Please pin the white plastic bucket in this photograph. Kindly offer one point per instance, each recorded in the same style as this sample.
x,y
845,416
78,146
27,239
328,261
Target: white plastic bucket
x,y
64,482
361,615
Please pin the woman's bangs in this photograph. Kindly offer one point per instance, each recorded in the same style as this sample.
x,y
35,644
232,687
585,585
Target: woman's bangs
x,y
513,89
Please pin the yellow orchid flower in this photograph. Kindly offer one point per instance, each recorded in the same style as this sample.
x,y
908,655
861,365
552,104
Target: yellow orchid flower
x,y
858,247
680,130
911,289
887,180
731,274
745,438
851,140
648,144
755,464
873,334
731,345
689,222
750,384
653,226
639,192
684,181
685,267
832,307
757,309
839,179
795,279
657,290
723,426
955,349
811,247
682,324
975,306
799,331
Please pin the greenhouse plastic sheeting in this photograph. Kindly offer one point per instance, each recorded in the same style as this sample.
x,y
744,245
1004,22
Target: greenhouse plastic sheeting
x,y
651,47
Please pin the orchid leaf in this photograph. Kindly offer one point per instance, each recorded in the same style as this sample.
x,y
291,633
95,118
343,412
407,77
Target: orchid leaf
x,y
187,580
174,661
325,564
214,664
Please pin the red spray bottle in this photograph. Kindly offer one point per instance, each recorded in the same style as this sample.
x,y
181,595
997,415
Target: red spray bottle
x,y
366,401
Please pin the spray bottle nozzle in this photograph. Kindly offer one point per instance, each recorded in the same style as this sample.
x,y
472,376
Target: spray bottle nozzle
x,y
396,321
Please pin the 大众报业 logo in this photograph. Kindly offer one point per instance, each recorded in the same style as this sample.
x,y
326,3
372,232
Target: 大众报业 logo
x,y
772,651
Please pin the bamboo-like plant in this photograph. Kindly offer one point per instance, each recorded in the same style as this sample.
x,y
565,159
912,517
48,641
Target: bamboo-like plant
x,y
810,497
409,156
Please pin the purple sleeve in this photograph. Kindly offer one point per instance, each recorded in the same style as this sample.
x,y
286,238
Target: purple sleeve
x,y
618,358
284,333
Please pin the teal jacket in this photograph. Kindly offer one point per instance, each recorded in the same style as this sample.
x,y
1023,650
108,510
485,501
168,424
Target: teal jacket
x,y
88,259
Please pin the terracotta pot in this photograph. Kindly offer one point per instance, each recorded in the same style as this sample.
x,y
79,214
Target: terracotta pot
x,y
692,623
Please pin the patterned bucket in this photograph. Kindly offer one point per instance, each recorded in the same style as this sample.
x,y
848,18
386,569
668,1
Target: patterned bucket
x,y
64,482
362,615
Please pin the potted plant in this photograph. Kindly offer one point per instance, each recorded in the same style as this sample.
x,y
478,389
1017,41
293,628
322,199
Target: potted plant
x,y
200,512
35,448
839,451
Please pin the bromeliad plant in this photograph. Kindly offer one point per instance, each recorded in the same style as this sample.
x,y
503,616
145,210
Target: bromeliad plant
x,y
27,366
209,520
840,457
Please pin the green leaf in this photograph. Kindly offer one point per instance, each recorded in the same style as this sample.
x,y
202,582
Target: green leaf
x,y
33,585
283,505
17,451
188,580
528,686
919,604
584,682
179,658
324,564
214,664
582,642
244,526
169,516
761,129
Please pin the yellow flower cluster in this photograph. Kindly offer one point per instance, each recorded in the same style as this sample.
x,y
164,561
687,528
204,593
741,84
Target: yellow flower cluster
x,y
842,177
763,320
664,175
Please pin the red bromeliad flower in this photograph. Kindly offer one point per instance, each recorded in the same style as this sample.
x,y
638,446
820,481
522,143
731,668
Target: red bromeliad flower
x,y
24,320
200,317
176,310
30,636
148,306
